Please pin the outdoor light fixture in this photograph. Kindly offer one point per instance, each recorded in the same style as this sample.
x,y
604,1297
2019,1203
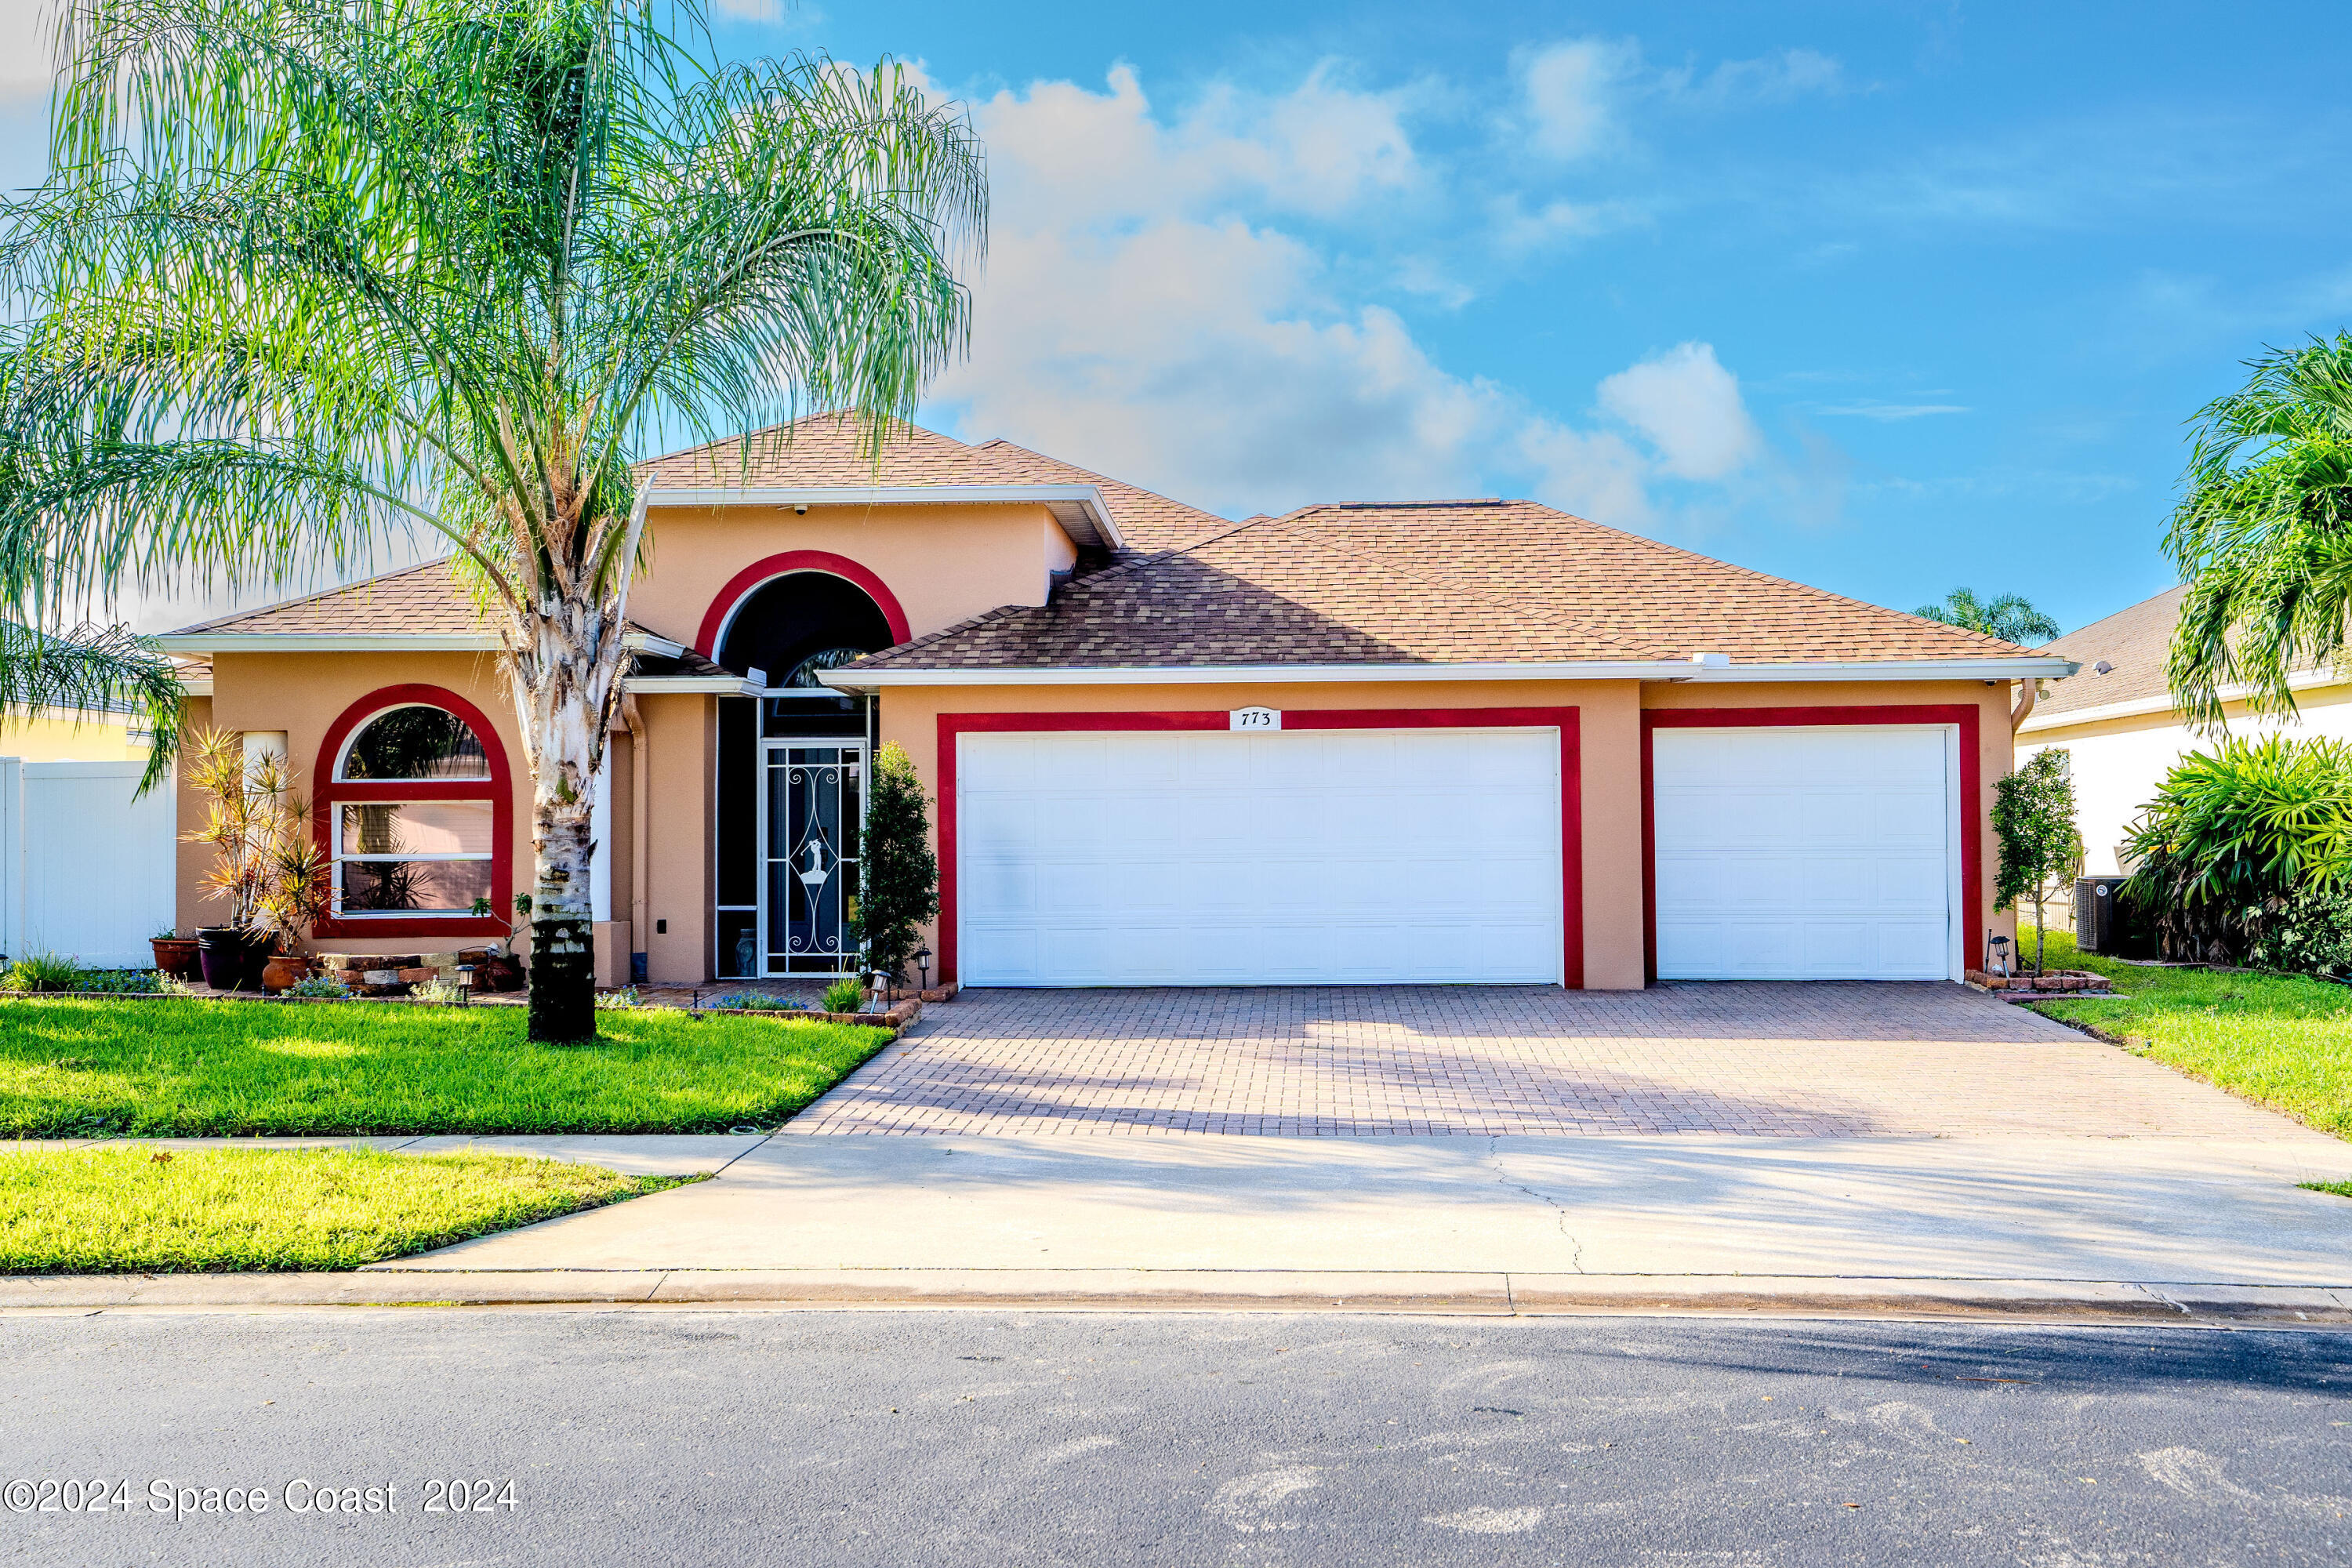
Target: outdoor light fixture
x,y
464,985
923,966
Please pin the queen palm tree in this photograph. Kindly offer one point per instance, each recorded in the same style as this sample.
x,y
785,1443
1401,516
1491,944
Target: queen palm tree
x,y
2263,535
90,671
304,272
2011,617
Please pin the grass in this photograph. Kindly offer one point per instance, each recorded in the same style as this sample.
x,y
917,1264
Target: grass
x,y
103,1210
2283,1040
86,1067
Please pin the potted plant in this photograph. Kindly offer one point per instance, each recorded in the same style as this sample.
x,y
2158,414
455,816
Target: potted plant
x,y
175,955
265,868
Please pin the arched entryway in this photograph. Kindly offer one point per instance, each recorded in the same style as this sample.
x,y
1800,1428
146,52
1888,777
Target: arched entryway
x,y
793,764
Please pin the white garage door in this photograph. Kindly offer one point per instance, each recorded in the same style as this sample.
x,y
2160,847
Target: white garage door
x,y
1300,858
1806,854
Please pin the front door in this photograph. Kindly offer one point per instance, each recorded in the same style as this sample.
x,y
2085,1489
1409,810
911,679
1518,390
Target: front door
x,y
812,808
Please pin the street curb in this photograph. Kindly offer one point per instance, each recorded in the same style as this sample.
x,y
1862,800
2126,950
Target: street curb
x,y
2151,1304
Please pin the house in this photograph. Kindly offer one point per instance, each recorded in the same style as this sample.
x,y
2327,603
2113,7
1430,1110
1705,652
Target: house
x,y
1468,741
2123,730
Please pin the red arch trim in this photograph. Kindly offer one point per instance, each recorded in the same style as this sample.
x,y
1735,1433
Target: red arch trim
x,y
498,788
705,641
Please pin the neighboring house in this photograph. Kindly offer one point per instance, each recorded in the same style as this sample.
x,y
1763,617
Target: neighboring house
x,y
58,736
2123,730
1456,741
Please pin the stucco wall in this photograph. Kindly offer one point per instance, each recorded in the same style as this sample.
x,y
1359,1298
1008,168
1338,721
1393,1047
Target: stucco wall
x,y
63,738
303,694
943,563
1609,728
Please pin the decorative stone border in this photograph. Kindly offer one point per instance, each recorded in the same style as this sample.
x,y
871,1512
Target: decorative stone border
x,y
2058,982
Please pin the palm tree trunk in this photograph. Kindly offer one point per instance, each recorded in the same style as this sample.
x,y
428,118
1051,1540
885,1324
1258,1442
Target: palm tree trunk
x,y
565,688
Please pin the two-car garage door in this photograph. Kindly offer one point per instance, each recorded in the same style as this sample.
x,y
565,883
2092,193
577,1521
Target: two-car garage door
x,y
1216,858
1323,856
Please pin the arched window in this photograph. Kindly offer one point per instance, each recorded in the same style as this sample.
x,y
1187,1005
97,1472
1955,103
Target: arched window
x,y
415,817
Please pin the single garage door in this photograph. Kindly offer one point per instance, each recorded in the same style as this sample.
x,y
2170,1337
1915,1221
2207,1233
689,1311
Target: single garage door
x,y
1220,858
1825,853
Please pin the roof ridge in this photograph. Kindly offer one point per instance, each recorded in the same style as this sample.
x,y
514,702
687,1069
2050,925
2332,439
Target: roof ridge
x,y
745,438
220,621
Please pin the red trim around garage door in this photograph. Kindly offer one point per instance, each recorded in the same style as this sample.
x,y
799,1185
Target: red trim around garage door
x,y
1972,779
329,792
1571,803
714,619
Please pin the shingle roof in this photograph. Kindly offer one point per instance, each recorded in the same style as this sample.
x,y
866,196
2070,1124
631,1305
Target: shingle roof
x,y
1446,582
418,600
827,449
2133,641
1431,582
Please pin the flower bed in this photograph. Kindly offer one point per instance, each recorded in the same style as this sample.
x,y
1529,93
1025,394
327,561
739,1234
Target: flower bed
x,y
2057,980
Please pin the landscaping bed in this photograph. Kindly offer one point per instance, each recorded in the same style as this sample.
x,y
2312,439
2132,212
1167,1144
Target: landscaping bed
x,y
118,1210
2283,1040
79,1067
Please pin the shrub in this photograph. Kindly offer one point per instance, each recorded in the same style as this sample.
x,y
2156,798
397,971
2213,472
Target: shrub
x,y
2310,933
319,985
844,996
625,997
901,873
122,982
43,971
2235,836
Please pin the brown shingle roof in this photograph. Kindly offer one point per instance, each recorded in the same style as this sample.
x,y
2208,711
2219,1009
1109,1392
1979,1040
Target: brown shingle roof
x,y
1448,583
418,600
2133,641
827,449
1410,583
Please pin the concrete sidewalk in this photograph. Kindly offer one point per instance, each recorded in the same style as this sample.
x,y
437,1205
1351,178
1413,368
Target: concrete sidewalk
x,y
2148,1229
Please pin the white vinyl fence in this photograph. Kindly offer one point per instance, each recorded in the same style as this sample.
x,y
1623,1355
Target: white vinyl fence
x,y
86,870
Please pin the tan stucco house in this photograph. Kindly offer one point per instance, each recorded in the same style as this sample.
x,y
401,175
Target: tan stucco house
x,y
1472,741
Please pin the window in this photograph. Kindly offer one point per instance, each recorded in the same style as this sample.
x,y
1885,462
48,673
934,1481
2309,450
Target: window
x,y
429,852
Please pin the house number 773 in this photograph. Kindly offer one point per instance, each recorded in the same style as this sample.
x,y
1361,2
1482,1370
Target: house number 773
x,y
1256,718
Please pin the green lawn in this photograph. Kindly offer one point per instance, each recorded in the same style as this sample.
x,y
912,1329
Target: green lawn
x,y
118,1210
77,1067
2284,1041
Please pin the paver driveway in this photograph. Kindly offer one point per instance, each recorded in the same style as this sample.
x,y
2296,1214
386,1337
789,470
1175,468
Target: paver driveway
x,y
1851,1059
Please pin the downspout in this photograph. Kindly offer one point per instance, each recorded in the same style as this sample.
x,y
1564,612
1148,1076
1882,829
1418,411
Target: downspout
x,y
639,859
2024,709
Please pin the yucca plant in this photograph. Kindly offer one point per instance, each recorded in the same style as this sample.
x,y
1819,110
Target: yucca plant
x,y
266,868
306,273
2233,833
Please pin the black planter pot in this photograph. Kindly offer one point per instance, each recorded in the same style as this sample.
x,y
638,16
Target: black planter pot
x,y
232,957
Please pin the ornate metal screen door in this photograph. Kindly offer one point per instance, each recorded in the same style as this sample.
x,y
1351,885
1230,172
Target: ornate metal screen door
x,y
814,804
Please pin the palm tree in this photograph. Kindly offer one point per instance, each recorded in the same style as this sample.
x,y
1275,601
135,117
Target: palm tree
x,y
2011,617
2264,535
94,670
306,271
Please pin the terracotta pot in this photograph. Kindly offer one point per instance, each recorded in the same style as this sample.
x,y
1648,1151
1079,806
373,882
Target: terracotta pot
x,y
176,956
284,972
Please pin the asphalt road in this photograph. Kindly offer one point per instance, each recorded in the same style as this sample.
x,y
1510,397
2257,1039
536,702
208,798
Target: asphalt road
x,y
907,1439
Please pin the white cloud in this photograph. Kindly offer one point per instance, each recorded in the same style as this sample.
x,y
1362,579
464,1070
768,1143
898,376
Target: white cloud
x,y
1870,408
1568,92
1777,77
1690,409
1151,310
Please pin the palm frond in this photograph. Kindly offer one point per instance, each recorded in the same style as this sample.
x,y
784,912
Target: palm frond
x,y
93,672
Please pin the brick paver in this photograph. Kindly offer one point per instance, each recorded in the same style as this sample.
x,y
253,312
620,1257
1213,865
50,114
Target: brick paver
x,y
1787,1059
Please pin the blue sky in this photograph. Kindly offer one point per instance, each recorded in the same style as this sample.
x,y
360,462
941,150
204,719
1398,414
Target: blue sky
x,y
1885,297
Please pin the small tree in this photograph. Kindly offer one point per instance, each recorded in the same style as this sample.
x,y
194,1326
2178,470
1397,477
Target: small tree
x,y
902,875
2034,815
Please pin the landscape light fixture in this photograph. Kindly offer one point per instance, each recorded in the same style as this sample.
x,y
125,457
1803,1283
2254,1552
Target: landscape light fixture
x,y
923,966
464,985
